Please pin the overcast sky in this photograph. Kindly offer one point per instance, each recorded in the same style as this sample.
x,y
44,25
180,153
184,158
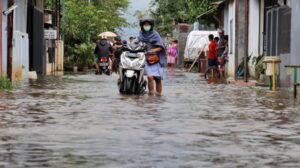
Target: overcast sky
x,y
142,5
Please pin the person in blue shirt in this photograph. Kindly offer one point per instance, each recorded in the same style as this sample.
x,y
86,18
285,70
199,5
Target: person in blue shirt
x,y
154,69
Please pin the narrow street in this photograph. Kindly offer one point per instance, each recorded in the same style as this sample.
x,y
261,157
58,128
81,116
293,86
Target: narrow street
x,y
82,121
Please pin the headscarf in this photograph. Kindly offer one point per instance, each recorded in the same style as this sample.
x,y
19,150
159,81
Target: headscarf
x,y
153,35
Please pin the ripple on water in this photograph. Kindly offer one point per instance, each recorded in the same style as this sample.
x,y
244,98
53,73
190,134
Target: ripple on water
x,y
82,121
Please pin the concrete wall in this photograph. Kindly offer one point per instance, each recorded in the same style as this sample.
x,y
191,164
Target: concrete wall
x,y
21,42
230,30
0,40
20,60
295,34
20,18
254,32
4,39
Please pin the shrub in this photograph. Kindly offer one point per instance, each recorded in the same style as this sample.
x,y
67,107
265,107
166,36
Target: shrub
x,y
5,83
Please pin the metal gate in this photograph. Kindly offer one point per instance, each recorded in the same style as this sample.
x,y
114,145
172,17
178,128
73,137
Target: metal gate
x,y
278,27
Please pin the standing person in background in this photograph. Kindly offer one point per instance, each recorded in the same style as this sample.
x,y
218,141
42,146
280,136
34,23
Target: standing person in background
x,y
224,57
172,53
155,56
212,53
216,39
118,45
221,46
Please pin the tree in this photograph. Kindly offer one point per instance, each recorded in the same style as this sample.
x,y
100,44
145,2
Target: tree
x,y
83,21
167,13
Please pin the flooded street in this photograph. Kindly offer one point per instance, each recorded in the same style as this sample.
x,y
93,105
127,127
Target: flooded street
x,y
82,121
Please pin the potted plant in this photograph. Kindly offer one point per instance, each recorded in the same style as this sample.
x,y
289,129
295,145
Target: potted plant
x,y
259,69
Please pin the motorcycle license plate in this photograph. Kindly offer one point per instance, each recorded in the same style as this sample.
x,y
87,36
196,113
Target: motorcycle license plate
x,y
103,64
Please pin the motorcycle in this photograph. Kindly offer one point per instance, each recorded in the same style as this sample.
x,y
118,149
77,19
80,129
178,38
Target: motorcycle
x,y
131,70
104,66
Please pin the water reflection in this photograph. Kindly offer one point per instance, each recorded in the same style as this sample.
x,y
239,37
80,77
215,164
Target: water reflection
x,y
82,121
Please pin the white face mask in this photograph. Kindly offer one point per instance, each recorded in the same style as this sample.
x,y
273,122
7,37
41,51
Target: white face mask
x,y
147,28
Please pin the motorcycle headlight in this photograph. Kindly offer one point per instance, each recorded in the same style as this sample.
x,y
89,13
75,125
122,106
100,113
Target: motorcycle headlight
x,y
124,63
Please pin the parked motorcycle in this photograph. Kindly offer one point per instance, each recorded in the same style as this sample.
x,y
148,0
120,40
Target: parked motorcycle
x,y
104,66
131,68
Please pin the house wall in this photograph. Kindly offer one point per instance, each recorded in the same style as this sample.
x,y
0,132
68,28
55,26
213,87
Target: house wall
x,y
4,39
20,19
230,30
295,34
254,33
20,61
226,18
1,40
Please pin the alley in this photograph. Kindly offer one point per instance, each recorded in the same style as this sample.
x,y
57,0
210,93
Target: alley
x,y
82,121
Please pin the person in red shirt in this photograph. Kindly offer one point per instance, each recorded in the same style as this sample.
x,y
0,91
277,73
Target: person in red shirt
x,y
212,52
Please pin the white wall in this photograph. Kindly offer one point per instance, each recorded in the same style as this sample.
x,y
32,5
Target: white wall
x,y
20,47
21,42
254,32
230,27
20,17
295,34
4,39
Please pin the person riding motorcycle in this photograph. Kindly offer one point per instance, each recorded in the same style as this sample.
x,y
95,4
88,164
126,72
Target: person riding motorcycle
x,y
118,45
103,50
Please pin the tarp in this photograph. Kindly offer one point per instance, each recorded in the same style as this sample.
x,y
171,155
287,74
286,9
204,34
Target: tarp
x,y
195,42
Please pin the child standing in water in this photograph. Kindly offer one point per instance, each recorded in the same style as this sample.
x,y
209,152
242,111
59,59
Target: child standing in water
x,y
172,53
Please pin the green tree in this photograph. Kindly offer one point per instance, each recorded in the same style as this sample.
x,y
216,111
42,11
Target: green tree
x,y
83,21
167,13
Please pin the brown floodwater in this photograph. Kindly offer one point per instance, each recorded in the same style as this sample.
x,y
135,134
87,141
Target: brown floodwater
x,y
82,121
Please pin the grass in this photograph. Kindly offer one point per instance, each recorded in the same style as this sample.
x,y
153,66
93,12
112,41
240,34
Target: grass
x,y
5,83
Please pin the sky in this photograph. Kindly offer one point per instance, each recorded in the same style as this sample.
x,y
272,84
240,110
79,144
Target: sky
x,y
142,5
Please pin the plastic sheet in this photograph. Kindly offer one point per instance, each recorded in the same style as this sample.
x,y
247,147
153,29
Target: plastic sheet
x,y
195,42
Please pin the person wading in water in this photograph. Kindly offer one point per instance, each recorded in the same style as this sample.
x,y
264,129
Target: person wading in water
x,y
156,55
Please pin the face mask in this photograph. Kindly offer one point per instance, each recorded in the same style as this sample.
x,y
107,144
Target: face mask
x,y
147,28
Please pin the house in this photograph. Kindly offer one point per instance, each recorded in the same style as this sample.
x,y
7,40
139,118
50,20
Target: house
x,y
262,27
14,39
23,40
35,29
54,46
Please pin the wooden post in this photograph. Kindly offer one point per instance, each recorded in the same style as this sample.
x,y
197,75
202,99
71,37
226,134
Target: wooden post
x,y
196,58
10,28
295,82
274,76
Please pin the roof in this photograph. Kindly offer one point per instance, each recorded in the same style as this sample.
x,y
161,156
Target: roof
x,y
212,10
206,13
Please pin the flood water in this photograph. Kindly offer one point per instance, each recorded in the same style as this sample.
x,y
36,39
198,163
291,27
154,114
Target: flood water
x,y
81,121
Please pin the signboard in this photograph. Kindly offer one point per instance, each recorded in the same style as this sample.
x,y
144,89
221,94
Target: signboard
x,y
50,34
